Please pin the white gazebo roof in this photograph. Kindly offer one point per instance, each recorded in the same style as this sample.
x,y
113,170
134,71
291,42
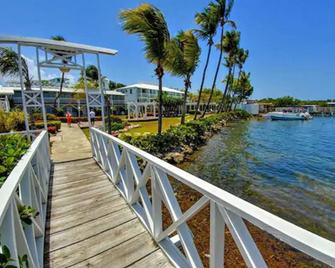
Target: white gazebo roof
x,y
152,87
53,44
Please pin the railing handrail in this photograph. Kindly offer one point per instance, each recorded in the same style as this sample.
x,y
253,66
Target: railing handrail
x,y
9,187
26,187
295,236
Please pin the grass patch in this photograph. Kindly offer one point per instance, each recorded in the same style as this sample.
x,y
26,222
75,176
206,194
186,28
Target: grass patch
x,y
152,126
86,131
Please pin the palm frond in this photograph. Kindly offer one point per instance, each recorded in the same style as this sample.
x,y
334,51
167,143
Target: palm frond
x,y
183,54
9,65
229,7
149,24
208,21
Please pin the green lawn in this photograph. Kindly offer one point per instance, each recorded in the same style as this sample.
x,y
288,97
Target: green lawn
x,y
151,126
147,126
86,131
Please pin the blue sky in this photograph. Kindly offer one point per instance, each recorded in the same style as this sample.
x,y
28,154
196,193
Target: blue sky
x,y
291,42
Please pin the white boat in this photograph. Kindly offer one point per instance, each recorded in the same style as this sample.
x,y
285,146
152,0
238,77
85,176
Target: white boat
x,y
288,116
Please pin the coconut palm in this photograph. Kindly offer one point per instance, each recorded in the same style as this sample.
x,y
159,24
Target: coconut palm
x,y
230,46
183,58
9,66
223,9
243,88
148,22
240,59
208,22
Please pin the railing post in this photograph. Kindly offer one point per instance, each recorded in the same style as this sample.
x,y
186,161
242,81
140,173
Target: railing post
x,y
217,230
156,205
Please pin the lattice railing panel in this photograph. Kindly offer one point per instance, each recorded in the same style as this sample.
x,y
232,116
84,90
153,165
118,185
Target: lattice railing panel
x,y
131,169
27,185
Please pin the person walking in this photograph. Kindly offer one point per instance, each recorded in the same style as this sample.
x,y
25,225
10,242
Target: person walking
x,y
92,117
68,118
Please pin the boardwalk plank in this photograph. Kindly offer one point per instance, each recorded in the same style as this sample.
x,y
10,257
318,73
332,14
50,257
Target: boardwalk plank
x,y
78,233
95,245
155,259
73,219
85,205
79,197
124,254
90,224
79,189
89,175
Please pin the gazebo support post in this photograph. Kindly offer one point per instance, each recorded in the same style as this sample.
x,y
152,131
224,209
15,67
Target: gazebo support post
x,y
86,93
41,90
101,92
22,92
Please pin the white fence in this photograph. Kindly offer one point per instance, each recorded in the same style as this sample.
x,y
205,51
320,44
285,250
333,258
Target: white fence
x,y
120,161
27,185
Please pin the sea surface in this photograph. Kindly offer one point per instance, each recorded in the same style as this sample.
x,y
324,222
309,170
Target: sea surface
x,y
285,167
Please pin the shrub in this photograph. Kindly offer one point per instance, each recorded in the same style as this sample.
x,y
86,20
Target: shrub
x,y
191,134
56,124
114,119
52,129
117,126
60,112
12,148
193,112
11,121
39,116
76,119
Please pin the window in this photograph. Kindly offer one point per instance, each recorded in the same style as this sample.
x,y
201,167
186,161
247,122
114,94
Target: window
x,y
131,91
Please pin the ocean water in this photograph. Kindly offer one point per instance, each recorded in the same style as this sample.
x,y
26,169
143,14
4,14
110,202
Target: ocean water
x,y
285,167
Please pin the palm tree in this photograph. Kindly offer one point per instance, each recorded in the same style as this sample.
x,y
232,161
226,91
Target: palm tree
x,y
148,22
9,65
229,45
240,59
59,38
183,58
223,9
208,22
243,88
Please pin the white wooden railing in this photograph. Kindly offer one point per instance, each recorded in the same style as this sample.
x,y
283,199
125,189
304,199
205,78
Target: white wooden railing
x,y
120,162
26,185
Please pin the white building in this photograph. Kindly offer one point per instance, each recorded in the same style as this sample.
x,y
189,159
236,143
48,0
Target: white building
x,y
251,108
70,100
141,100
145,92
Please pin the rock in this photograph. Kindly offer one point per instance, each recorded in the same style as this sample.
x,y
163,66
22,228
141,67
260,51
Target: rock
x,y
174,157
187,149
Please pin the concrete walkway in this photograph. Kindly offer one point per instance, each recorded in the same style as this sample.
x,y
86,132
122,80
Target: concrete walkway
x,y
70,144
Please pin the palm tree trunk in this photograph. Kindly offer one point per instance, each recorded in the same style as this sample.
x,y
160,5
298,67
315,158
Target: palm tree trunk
x,y
109,121
183,112
231,81
160,73
60,91
216,72
203,79
237,99
225,91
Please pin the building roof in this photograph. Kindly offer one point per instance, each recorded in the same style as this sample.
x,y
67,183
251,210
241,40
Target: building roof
x,y
10,90
53,44
6,91
152,87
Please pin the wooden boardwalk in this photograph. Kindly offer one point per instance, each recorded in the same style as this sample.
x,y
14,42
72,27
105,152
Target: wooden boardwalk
x,y
90,225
